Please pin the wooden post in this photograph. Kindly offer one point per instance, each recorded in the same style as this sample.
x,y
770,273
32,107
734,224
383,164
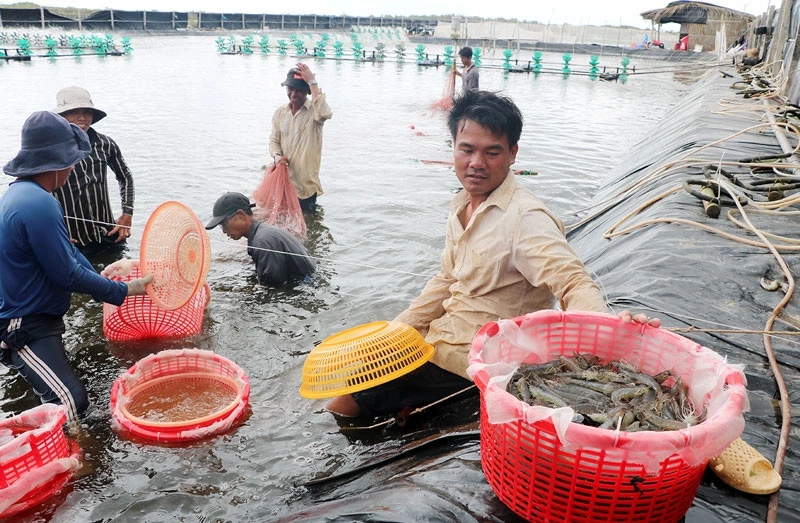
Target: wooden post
x,y
144,20
243,22
173,20
41,14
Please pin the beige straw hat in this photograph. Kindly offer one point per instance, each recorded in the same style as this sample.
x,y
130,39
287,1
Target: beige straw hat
x,y
71,98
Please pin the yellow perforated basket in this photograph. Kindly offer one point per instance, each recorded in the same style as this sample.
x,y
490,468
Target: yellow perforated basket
x,y
363,357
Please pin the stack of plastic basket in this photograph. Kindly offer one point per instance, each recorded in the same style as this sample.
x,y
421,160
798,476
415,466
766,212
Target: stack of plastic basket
x,y
546,468
176,251
36,458
157,376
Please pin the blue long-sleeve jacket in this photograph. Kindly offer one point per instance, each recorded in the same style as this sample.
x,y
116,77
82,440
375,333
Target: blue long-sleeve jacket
x,y
39,266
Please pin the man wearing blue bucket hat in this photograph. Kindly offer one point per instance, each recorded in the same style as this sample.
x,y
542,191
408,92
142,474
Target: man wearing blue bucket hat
x,y
40,268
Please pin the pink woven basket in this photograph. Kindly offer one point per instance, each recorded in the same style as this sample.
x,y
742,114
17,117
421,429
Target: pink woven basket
x,y
546,468
37,461
140,318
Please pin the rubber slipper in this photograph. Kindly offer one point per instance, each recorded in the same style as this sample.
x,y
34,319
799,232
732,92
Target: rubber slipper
x,y
746,469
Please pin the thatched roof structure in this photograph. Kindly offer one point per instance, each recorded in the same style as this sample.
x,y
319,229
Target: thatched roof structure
x,y
707,25
686,12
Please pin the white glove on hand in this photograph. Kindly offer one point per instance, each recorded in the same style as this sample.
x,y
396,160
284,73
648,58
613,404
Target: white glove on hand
x,y
119,269
137,286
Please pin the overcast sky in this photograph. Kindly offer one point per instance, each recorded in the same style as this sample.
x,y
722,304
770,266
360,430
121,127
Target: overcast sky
x,y
577,12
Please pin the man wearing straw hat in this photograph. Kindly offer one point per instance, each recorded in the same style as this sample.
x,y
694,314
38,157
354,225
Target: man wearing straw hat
x,y
505,255
296,136
40,268
85,199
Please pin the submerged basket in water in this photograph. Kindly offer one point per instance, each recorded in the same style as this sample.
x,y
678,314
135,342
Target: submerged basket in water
x,y
36,458
547,469
179,395
362,357
140,318
176,250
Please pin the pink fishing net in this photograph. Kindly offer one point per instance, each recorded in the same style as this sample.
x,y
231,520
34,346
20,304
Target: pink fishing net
x,y
277,203
448,92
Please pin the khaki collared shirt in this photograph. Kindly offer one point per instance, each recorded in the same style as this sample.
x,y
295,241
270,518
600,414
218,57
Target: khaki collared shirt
x,y
299,137
511,259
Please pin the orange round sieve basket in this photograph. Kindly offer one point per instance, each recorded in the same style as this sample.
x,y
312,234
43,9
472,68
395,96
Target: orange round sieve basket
x,y
363,357
176,250
179,395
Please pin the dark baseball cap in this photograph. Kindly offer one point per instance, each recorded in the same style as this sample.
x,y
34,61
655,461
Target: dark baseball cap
x,y
227,205
295,80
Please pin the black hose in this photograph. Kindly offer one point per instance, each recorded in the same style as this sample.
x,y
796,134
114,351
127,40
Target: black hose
x,y
718,200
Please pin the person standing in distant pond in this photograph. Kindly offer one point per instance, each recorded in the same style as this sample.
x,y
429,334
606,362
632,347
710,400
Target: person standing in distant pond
x,y
470,77
296,136
85,199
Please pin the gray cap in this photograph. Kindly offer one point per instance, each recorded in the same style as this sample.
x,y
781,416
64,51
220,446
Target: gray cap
x,y
227,205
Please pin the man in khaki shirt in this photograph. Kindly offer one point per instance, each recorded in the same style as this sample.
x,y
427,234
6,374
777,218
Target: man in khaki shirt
x,y
505,255
296,136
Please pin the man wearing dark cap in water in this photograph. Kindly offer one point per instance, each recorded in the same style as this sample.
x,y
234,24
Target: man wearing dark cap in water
x,y
279,256
296,136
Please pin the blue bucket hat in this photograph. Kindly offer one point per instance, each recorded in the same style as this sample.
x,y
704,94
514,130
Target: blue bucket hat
x,y
49,143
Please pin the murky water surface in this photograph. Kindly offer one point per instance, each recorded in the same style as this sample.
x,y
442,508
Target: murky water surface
x,y
193,124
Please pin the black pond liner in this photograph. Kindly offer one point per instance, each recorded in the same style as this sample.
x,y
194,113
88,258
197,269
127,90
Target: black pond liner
x,y
689,277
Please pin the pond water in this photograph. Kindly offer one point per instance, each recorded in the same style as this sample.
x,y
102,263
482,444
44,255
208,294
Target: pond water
x,y
193,124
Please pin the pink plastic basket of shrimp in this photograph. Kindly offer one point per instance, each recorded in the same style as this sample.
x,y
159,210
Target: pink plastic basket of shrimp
x,y
545,467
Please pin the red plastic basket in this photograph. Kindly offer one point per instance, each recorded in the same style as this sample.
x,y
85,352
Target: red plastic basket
x,y
32,465
176,368
586,473
140,318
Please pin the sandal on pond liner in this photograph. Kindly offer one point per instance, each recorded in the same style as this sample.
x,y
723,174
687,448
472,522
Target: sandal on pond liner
x,y
746,469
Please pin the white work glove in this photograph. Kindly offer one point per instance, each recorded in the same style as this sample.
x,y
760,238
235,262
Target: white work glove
x,y
137,286
119,269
